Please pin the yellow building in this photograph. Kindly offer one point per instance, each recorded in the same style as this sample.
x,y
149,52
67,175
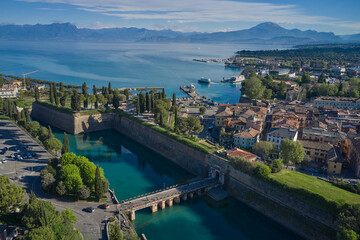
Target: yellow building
x,y
16,82
221,116
316,150
321,135
335,161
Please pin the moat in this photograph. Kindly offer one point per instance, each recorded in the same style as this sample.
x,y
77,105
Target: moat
x,y
133,170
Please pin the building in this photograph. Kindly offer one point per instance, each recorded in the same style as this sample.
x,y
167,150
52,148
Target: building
x,y
277,135
335,161
9,91
280,71
236,152
339,102
246,138
221,116
354,155
319,134
16,82
39,86
316,150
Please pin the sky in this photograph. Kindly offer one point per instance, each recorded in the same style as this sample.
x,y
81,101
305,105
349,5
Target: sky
x,y
338,16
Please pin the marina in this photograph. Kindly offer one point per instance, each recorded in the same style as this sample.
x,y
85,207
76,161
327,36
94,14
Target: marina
x,y
234,79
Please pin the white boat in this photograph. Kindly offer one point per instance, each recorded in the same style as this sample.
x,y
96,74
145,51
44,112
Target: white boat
x,y
234,79
204,80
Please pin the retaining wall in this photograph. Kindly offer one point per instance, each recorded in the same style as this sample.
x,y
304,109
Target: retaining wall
x,y
306,220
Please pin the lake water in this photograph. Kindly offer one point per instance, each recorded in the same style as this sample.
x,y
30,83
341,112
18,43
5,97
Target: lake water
x,y
133,170
126,64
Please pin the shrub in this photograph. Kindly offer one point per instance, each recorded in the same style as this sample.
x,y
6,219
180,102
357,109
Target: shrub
x,y
61,188
276,165
51,170
47,180
105,184
84,192
243,165
53,162
73,183
262,171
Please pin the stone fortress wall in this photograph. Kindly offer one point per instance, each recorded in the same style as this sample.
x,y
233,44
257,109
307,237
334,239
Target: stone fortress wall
x,y
307,221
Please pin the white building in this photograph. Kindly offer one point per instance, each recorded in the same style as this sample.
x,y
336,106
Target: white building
x,y
277,135
9,91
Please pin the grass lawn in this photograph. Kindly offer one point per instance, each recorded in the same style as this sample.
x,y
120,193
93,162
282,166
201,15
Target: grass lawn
x,y
328,191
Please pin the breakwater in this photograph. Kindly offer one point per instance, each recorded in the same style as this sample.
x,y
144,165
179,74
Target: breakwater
x,y
303,219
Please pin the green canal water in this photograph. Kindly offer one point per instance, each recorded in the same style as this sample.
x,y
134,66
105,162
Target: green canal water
x,y
133,170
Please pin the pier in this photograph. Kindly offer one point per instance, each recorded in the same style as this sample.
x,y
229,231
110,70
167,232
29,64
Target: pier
x,y
163,197
190,91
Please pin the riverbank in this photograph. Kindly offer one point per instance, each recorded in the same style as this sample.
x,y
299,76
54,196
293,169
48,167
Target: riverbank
x,y
303,219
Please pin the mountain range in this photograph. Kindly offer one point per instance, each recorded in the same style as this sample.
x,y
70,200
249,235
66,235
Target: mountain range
x,y
266,32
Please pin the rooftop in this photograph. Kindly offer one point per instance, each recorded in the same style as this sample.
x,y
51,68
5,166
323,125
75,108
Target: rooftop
x,y
237,152
316,145
282,132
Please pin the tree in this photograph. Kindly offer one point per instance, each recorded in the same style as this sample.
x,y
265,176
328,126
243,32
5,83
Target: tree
x,y
68,158
84,192
305,78
87,170
65,147
163,95
51,94
322,78
86,102
276,165
73,183
174,100
202,110
63,100
115,232
33,128
50,134
61,188
142,102
84,89
116,101
137,106
267,93
69,169
148,106
61,88
37,94
264,148
27,114
53,144
41,233
10,195
47,180
254,88
69,216
127,94
98,184
262,171
56,95
75,101
346,234
292,152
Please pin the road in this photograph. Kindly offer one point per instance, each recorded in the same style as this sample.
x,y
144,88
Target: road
x,y
26,173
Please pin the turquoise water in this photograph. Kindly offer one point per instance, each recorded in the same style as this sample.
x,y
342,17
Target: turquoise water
x,y
133,169
126,64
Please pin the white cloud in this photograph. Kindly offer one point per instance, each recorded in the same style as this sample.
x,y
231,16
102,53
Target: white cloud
x,y
182,11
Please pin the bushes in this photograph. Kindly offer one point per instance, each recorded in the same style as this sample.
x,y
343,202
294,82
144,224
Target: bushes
x,y
276,165
243,165
84,192
262,171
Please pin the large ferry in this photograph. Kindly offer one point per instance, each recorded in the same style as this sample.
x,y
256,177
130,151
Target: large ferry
x,y
204,80
234,79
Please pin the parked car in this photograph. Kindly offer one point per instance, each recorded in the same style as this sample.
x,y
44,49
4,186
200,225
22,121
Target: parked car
x,y
4,160
105,206
89,209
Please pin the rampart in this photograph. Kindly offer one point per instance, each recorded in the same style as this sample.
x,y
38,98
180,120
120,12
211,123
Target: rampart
x,y
307,221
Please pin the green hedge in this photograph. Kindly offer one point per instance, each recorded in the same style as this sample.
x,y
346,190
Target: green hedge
x,y
168,133
57,108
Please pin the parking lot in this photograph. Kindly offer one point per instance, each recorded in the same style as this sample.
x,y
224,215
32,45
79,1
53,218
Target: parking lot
x,y
25,171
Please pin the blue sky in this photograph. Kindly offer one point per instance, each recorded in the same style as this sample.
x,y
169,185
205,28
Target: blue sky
x,y
340,17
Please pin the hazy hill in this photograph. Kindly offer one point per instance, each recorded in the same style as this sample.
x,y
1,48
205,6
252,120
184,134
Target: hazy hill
x,y
263,33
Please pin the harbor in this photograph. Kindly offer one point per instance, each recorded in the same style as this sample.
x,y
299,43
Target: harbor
x,y
190,90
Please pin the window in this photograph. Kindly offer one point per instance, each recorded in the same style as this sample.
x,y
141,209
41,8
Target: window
x,y
334,165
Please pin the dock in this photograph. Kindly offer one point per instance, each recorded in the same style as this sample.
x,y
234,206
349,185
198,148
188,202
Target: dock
x,y
191,92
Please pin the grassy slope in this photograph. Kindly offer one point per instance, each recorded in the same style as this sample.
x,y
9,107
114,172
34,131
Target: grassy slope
x,y
311,184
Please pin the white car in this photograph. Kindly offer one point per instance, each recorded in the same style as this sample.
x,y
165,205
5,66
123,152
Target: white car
x,y
4,160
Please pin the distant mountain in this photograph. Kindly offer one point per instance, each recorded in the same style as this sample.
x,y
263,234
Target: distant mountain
x,y
268,32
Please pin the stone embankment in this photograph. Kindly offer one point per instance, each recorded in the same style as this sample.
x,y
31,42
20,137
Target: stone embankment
x,y
307,221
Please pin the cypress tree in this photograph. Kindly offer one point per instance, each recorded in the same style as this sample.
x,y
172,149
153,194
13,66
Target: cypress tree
x,y
86,102
163,95
138,106
94,90
75,101
142,102
27,114
50,134
127,94
65,147
148,102
37,94
18,117
174,100
61,87
23,115
151,102
110,90
56,95
10,109
98,183
84,89
176,122
51,94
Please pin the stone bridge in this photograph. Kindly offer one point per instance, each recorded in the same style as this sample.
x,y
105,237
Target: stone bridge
x,y
161,198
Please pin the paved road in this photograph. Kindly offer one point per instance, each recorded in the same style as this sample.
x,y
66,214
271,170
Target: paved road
x,y
141,202
26,173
